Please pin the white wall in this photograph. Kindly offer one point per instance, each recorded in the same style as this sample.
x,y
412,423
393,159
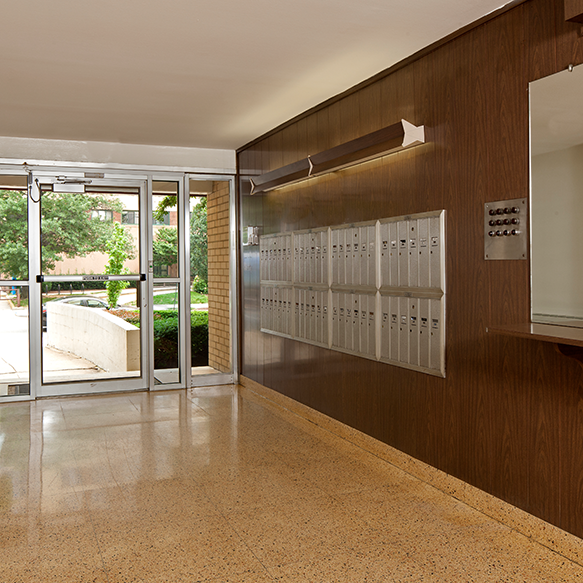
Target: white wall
x,y
557,232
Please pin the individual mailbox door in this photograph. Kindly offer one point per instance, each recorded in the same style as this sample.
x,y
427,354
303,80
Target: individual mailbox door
x,y
424,332
362,255
404,330
325,256
263,308
355,236
262,259
413,244
355,323
318,258
436,335
395,328
424,248
318,329
312,316
414,331
286,327
299,326
296,307
299,268
435,251
394,253
362,346
342,320
341,256
384,251
385,327
348,256
313,257
403,235
371,256
296,261
325,317
334,250
335,315
276,315
370,317
269,308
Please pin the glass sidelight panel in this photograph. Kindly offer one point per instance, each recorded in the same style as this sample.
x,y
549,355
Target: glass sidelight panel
x,y
14,347
91,283
14,300
166,301
210,277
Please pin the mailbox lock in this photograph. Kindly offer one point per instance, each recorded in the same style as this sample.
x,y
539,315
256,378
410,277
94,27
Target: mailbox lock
x,y
515,232
499,233
492,223
515,210
515,221
499,211
506,221
492,212
492,234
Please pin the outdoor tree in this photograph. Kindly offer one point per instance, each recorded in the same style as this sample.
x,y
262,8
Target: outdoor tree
x,y
198,238
67,229
165,246
119,247
199,242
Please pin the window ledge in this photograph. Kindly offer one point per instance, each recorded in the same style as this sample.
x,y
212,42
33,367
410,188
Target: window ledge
x,y
568,341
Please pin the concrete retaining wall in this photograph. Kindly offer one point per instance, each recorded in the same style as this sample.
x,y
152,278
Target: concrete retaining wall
x,y
107,341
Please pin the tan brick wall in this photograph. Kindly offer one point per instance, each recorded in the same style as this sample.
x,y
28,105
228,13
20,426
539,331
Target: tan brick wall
x,y
218,204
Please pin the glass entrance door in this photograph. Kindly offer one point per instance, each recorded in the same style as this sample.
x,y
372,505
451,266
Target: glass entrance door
x,y
92,284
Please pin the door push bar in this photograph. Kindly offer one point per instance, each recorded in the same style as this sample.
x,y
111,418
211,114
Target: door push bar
x,y
72,278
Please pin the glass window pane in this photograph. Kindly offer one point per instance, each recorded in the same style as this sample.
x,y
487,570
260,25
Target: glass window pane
x,y
84,340
166,333
84,233
13,228
165,229
14,353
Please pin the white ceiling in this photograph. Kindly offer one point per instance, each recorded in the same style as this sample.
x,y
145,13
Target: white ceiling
x,y
212,74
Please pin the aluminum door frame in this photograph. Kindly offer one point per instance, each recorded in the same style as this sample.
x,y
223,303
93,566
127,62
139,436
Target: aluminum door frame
x,y
94,386
233,376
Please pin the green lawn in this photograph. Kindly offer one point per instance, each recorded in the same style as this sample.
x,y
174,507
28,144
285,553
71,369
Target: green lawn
x,y
172,298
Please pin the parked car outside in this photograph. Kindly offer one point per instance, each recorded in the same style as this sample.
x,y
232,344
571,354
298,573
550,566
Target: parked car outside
x,y
84,301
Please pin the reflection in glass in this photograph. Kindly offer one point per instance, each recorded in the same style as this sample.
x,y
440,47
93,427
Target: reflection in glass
x,y
556,164
166,334
14,355
83,340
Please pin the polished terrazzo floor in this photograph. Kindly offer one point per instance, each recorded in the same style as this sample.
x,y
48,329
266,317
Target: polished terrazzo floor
x,y
216,485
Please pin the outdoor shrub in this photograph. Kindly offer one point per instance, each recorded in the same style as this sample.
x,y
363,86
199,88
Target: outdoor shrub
x,y
166,335
199,285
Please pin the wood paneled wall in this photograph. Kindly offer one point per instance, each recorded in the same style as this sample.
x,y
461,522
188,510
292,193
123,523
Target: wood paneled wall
x,y
509,416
